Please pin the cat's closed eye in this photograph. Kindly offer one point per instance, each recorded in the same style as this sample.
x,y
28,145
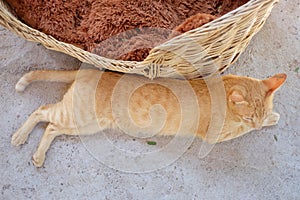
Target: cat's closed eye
x,y
248,118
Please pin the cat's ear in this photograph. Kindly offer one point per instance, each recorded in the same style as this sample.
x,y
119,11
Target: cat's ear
x,y
237,97
274,83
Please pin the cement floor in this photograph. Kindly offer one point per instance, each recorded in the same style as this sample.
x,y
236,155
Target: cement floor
x,y
260,165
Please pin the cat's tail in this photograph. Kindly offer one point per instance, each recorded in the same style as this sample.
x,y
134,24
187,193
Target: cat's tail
x,y
45,75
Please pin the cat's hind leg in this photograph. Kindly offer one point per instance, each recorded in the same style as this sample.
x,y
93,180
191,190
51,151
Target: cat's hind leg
x,y
50,133
40,115
45,75
53,131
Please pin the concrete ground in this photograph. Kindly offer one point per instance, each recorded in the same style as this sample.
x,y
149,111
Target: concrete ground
x,y
261,165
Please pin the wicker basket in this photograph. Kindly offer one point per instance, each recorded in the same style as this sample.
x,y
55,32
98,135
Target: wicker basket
x,y
197,53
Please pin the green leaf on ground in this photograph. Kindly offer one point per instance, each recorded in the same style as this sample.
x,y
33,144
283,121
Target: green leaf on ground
x,y
275,138
297,70
151,142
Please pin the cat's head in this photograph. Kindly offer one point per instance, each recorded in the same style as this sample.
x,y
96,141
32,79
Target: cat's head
x,y
251,100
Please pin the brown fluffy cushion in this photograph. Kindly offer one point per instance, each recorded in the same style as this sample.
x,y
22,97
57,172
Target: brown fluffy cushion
x,y
89,23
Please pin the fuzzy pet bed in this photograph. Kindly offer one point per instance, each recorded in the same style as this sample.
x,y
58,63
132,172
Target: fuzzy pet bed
x,y
89,23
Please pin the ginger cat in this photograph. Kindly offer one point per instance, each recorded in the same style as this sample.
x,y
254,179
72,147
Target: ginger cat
x,y
93,104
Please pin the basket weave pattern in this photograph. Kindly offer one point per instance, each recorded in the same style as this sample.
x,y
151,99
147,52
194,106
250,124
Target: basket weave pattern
x,y
196,53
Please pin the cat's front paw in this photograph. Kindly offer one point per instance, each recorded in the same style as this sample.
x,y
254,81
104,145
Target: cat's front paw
x,y
18,139
272,119
38,159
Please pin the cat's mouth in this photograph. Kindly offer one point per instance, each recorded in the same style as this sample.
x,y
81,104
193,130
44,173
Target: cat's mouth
x,y
258,126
